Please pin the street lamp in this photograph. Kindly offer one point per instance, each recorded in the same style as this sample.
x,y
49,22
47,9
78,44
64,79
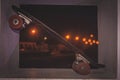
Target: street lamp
x,y
94,41
97,42
77,38
33,31
86,42
91,35
45,38
84,39
89,40
67,36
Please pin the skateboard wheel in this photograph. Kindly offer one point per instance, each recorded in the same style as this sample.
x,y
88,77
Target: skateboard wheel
x,y
15,22
81,68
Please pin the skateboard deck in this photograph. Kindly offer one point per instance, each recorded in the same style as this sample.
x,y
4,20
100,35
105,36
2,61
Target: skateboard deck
x,y
82,62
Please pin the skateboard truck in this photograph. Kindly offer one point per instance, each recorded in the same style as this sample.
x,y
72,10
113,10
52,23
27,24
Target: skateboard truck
x,y
17,22
81,65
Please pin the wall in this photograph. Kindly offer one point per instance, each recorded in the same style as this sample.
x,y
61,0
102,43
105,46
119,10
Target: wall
x,y
118,40
61,2
107,50
107,32
9,39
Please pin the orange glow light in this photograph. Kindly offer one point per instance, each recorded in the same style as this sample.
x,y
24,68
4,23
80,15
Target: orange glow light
x,y
84,39
91,43
77,38
89,40
91,35
86,42
33,31
67,36
97,42
94,41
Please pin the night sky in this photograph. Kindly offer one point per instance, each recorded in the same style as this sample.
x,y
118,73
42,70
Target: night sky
x,y
72,19
64,19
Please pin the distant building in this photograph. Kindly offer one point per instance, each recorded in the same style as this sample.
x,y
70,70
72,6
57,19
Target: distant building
x,y
25,46
33,47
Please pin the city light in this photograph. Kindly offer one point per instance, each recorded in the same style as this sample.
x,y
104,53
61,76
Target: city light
x,y
86,42
97,42
91,35
94,41
45,38
77,38
89,40
67,36
33,31
91,43
84,39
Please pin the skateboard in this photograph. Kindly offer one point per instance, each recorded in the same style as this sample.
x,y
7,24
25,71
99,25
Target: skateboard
x,y
82,63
